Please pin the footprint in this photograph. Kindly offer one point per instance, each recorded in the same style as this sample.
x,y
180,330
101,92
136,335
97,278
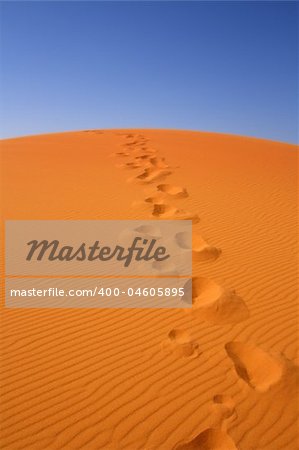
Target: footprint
x,y
224,411
164,211
157,199
180,344
212,303
159,163
151,231
161,209
174,191
209,439
215,437
201,250
165,268
152,174
256,367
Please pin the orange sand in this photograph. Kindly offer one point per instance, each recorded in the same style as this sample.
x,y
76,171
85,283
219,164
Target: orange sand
x,y
220,377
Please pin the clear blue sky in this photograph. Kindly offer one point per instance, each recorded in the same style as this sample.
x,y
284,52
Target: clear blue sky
x,y
228,67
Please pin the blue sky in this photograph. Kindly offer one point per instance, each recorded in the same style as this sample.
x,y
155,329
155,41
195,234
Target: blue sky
x,y
228,67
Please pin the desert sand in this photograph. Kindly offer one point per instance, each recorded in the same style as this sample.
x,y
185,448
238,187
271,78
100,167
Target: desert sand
x,y
221,376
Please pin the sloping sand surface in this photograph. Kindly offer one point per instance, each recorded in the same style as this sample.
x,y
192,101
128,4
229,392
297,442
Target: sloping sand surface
x,y
222,376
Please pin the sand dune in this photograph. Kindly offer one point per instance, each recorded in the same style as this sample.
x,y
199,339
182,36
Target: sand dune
x,y
223,376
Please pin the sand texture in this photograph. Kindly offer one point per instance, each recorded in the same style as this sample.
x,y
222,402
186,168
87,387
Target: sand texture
x,y
219,377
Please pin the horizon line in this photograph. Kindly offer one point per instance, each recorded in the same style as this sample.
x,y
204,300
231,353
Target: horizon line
x,y
152,129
